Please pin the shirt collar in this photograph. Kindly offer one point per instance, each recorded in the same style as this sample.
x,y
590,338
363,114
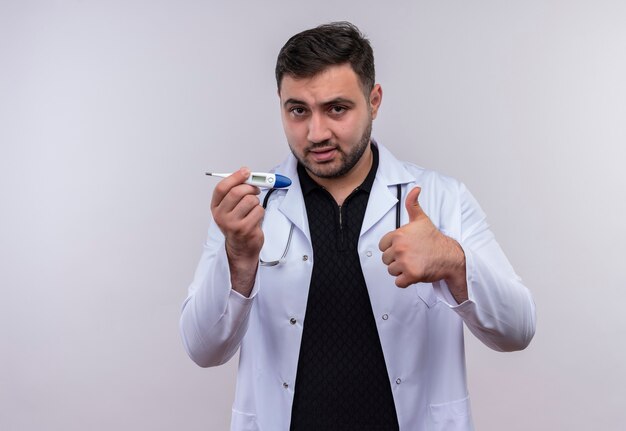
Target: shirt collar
x,y
308,184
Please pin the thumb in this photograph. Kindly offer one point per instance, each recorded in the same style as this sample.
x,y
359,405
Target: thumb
x,y
412,204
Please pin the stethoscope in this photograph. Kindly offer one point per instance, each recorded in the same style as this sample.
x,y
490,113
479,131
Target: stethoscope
x,y
282,258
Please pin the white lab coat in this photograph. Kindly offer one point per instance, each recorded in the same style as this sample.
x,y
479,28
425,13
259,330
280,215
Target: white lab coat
x,y
420,327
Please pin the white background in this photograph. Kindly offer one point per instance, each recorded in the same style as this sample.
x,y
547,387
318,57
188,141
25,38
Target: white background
x,y
111,111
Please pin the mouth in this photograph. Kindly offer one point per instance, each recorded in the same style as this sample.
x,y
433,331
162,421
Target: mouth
x,y
323,154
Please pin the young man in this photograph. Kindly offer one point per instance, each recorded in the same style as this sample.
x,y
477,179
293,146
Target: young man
x,y
359,326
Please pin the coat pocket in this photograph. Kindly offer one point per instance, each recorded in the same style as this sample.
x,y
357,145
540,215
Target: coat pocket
x,y
451,416
426,293
243,421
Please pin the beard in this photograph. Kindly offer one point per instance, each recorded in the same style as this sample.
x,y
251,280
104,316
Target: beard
x,y
347,160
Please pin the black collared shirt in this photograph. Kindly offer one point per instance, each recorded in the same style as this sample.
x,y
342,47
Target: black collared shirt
x,y
342,381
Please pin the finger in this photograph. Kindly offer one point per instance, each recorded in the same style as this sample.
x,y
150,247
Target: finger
x,y
225,186
386,241
412,204
252,221
388,256
402,281
394,268
246,204
235,195
239,221
242,231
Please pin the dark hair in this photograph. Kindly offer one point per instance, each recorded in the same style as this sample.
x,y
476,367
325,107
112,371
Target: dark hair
x,y
310,52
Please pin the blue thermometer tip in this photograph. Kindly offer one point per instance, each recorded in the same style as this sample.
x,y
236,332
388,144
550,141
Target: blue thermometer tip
x,y
282,181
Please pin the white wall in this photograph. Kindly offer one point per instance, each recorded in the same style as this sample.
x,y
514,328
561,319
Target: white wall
x,y
111,111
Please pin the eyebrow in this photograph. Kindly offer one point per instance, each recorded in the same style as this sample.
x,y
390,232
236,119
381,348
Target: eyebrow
x,y
335,101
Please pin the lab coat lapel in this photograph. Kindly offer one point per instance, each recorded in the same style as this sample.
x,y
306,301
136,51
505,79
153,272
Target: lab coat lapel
x,y
383,195
380,202
292,206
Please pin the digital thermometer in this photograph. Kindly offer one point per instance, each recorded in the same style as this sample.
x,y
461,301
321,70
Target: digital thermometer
x,y
262,179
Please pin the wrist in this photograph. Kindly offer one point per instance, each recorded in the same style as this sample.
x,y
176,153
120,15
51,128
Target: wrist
x,y
243,269
456,278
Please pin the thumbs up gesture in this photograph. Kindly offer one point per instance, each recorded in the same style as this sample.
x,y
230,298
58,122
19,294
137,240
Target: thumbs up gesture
x,y
419,252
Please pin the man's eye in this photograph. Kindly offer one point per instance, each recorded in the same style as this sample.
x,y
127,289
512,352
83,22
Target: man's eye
x,y
298,111
337,110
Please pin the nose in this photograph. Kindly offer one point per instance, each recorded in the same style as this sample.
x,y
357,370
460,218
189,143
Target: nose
x,y
318,129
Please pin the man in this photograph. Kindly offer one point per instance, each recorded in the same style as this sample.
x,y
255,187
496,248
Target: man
x,y
359,326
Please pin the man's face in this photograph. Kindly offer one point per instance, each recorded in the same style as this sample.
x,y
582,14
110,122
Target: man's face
x,y
328,120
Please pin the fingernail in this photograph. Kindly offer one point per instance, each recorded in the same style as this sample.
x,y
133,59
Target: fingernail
x,y
245,172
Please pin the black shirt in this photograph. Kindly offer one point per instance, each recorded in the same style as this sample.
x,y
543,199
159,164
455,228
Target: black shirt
x,y
342,381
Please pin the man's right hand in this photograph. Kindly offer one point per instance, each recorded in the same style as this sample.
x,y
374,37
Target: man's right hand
x,y
236,211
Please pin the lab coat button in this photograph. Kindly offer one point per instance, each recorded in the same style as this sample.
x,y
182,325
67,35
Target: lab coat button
x,y
292,321
285,385
385,316
398,381
305,257
368,253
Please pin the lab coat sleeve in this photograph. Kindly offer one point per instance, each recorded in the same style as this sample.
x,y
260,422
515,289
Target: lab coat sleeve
x,y
500,310
214,317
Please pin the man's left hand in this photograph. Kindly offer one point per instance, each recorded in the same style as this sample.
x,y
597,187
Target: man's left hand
x,y
419,252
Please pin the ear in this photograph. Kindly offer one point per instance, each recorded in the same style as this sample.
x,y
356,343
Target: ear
x,y
376,98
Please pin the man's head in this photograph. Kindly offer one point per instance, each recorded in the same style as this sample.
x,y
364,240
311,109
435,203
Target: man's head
x,y
328,100
310,52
